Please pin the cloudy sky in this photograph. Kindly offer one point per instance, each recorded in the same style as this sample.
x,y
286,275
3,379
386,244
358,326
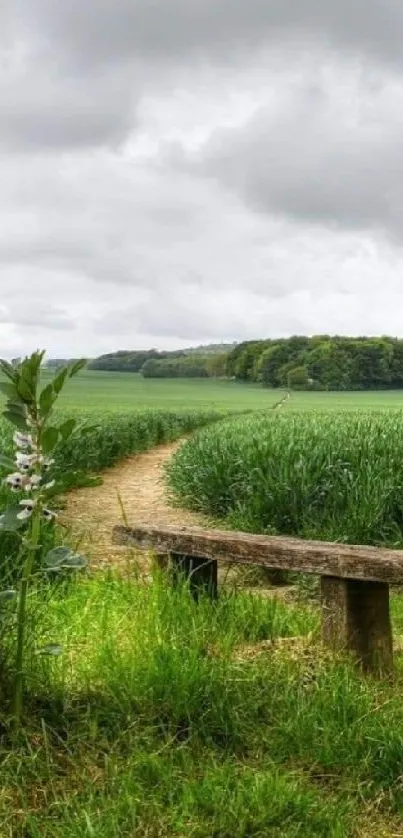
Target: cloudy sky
x,y
181,171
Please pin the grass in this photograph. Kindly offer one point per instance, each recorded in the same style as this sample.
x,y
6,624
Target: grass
x,y
150,725
335,477
166,719
126,392
117,392
96,391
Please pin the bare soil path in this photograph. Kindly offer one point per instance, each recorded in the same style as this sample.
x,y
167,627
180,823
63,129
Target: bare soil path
x,y
138,481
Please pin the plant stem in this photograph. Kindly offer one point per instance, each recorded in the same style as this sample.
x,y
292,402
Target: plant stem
x,y
21,618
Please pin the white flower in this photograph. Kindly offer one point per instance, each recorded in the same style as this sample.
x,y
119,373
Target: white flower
x,y
24,515
15,481
28,504
50,484
22,441
32,482
46,462
28,508
49,515
25,461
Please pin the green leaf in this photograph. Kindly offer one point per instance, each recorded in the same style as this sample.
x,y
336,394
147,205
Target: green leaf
x,y
57,554
76,562
52,649
63,558
49,440
16,419
17,406
25,389
72,480
67,428
57,489
86,429
47,399
8,389
8,370
59,379
31,367
77,367
7,462
9,521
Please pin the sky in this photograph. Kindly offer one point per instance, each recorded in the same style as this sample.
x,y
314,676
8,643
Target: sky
x,y
174,172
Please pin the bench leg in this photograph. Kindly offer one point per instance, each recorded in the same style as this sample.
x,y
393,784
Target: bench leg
x,y
355,616
202,574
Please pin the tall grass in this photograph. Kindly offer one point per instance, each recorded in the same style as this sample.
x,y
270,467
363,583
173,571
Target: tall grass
x,y
115,436
154,723
325,476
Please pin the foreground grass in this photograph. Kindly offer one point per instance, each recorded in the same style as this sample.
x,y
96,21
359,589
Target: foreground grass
x,y
155,723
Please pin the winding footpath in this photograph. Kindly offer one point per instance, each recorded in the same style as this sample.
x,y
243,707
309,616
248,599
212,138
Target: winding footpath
x,y
137,486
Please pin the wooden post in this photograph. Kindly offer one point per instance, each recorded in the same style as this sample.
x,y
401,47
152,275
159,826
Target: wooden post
x,y
355,616
201,574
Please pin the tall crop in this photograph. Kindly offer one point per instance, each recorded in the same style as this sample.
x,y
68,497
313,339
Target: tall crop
x,y
326,476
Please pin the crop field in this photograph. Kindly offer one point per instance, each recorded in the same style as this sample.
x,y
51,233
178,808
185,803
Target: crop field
x,y
167,719
94,391
330,476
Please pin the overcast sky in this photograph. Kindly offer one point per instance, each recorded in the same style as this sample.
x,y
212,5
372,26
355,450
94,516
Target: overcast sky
x,y
181,171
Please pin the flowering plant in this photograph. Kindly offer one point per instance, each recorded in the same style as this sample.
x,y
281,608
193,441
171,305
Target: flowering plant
x,y
31,474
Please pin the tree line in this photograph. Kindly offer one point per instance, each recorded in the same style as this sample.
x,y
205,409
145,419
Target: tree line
x,y
322,362
201,362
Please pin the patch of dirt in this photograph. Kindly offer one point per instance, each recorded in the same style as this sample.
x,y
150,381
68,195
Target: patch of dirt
x,y
92,513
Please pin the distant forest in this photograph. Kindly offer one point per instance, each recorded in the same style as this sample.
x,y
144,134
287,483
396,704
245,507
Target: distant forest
x,y
197,362
322,362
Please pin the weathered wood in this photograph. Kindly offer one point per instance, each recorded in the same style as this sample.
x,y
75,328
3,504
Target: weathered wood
x,y
201,574
355,616
335,560
355,580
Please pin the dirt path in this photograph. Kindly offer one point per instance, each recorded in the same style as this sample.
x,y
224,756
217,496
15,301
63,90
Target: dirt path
x,y
92,513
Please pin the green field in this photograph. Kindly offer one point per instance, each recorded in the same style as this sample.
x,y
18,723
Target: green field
x,y
167,719
123,392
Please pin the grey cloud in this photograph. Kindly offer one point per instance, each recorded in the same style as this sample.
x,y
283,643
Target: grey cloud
x,y
321,157
42,109
27,315
74,73
184,313
104,31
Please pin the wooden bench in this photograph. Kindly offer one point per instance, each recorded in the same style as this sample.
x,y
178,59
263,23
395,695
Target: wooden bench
x,y
354,580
